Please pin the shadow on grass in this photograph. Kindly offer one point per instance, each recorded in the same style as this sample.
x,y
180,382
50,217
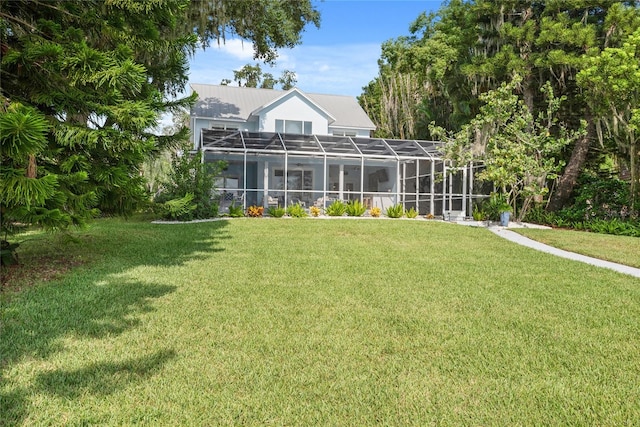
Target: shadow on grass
x,y
102,378
93,302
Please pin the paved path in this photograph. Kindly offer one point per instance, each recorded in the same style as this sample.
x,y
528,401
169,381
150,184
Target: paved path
x,y
517,238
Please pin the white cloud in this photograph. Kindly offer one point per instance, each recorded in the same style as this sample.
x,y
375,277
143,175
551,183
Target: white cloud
x,y
337,69
236,48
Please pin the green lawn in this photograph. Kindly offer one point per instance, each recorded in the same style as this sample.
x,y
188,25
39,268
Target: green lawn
x,y
317,322
620,249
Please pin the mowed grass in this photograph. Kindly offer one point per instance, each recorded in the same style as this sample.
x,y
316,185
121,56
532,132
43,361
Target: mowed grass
x,y
621,249
319,322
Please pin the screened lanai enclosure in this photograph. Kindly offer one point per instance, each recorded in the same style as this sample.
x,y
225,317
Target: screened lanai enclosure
x,y
276,169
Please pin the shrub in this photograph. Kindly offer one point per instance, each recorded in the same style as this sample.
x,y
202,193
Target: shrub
x,y
396,211
276,212
600,198
255,211
336,208
478,213
235,211
315,211
412,213
296,211
375,211
537,215
355,208
495,205
189,175
613,226
429,216
180,209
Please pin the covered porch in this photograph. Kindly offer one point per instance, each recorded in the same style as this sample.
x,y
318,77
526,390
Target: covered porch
x,y
269,169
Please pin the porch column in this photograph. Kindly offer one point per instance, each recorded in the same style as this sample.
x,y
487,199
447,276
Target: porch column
x,y
324,181
470,187
444,188
450,191
286,179
432,188
464,191
362,180
418,186
398,183
341,183
265,185
403,181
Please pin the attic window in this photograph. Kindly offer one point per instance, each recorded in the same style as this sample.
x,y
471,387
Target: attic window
x,y
344,133
294,127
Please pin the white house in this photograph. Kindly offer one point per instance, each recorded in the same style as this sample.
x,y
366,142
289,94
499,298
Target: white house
x,y
285,147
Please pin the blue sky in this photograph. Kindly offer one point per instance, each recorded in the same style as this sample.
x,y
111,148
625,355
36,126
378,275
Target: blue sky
x,y
339,58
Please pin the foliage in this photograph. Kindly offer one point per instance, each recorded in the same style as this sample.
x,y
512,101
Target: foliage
x,y
337,208
276,211
395,211
478,212
429,216
315,211
181,209
411,213
518,152
611,81
613,226
375,211
267,24
467,48
296,211
255,211
236,211
600,198
8,255
189,175
91,79
355,208
32,192
252,76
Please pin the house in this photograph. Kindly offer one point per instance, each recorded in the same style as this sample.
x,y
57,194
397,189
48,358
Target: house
x,y
284,147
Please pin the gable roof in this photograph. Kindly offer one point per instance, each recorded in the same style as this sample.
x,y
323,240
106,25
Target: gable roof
x,y
239,103
299,93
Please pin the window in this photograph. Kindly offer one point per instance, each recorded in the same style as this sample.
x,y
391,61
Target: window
x,y
294,126
222,126
344,133
297,180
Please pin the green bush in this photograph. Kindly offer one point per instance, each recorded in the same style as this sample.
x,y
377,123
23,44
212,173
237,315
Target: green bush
x,y
600,198
189,175
296,211
411,213
478,213
181,209
235,211
495,205
537,215
613,226
396,211
276,211
337,208
355,208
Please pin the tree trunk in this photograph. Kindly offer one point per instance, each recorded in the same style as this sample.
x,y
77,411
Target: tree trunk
x,y
568,180
32,167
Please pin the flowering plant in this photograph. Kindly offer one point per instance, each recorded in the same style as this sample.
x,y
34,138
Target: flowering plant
x,y
255,211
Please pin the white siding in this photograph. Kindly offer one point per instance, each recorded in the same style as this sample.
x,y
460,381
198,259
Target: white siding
x,y
294,108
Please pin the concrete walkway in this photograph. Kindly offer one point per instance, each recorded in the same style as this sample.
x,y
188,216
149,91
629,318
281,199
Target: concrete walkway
x,y
517,238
